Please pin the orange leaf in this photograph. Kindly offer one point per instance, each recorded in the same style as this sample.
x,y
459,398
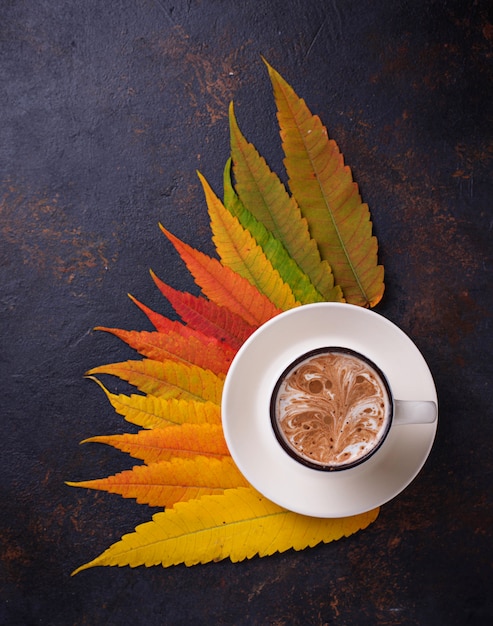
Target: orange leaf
x,y
223,286
187,345
160,322
206,316
167,379
162,444
168,482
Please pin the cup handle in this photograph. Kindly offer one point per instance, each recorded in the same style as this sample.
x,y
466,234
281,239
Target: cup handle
x,y
415,412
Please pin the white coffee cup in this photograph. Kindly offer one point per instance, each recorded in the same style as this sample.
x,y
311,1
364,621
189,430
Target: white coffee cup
x,y
332,408
249,433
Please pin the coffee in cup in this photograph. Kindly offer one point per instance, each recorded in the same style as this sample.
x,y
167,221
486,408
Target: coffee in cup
x,y
331,408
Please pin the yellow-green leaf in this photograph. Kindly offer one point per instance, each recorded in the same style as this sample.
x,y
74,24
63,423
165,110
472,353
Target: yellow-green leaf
x,y
328,197
303,289
152,412
167,379
165,483
239,251
262,193
163,444
237,525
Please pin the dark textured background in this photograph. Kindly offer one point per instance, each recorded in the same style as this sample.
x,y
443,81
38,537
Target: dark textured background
x,y
107,110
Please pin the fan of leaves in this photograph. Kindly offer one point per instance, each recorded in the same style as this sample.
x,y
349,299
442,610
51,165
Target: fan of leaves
x,y
277,249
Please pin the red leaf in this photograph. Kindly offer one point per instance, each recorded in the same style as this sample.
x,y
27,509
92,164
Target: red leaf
x,y
160,322
206,316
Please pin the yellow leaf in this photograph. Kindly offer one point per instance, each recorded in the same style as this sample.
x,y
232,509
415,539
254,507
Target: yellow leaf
x,y
167,379
153,412
239,524
162,444
165,483
239,251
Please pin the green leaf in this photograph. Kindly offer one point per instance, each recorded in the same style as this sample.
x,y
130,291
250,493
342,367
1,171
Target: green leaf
x,y
328,197
301,286
262,194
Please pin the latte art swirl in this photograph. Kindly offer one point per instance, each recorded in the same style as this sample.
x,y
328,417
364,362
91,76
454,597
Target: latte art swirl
x,y
332,409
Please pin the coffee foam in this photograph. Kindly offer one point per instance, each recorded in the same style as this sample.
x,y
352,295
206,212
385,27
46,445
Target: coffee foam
x,y
332,409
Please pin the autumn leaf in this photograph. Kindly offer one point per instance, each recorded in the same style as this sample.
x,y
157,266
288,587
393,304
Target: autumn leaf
x,y
156,412
328,198
167,379
206,316
190,347
167,482
238,525
240,252
261,193
276,249
160,322
303,289
223,286
162,444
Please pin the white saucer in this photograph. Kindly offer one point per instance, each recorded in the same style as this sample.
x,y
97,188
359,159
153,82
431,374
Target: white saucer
x,y
250,436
